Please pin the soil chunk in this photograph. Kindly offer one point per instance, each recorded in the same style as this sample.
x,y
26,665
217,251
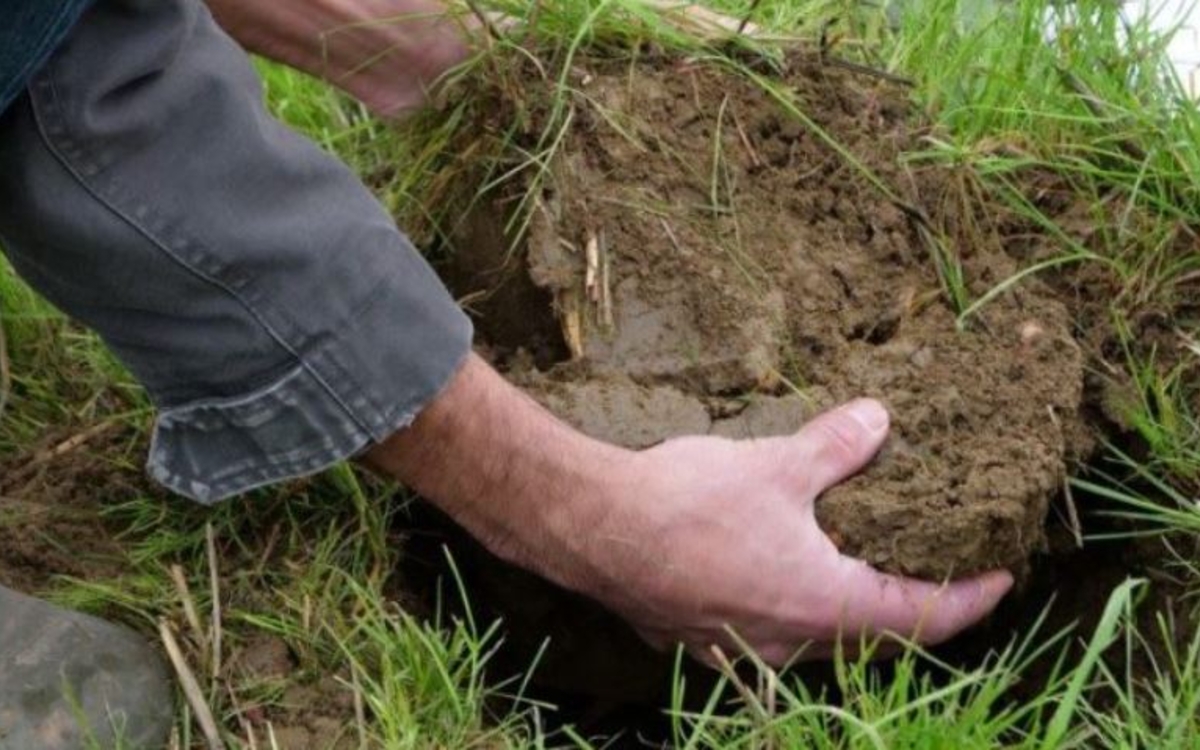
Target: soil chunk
x,y
769,416
707,252
620,411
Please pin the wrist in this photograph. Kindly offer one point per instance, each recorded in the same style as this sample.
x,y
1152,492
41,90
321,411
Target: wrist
x,y
530,488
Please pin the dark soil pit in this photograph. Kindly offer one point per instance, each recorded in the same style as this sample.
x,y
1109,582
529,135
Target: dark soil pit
x,y
716,266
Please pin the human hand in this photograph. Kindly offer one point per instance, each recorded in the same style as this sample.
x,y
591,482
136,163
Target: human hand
x,y
710,535
388,54
687,540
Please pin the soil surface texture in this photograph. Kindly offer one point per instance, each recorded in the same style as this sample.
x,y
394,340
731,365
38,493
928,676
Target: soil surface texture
x,y
716,265
50,522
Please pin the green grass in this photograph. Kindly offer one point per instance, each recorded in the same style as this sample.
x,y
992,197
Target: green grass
x,y
1102,123
1104,119
54,373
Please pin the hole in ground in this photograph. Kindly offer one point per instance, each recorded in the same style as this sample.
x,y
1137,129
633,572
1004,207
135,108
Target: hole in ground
x,y
510,312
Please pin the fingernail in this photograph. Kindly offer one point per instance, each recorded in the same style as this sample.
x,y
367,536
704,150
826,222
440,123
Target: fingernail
x,y
870,414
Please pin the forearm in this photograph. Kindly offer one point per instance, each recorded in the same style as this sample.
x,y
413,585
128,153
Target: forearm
x,y
384,52
500,464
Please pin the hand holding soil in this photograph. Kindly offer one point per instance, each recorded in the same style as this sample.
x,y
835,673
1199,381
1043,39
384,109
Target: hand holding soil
x,y
722,535
687,540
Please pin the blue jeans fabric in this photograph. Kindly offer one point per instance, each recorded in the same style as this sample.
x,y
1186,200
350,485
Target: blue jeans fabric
x,y
265,299
29,32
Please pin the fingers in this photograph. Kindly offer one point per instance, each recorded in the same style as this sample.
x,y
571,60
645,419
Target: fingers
x,y
840,442
875,603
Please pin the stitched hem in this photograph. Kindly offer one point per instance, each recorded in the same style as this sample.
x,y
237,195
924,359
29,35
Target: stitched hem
x,y
212,450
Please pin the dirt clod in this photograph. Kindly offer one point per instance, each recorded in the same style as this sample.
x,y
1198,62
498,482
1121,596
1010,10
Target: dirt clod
x,y
707,252
263,658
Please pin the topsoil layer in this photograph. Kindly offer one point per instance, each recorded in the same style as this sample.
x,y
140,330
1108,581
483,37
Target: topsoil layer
x,y
700,261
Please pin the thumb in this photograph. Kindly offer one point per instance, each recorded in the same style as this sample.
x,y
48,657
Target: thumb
x,y
840,442
875,603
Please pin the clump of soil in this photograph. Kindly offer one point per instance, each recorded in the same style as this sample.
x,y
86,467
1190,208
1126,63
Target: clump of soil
x,y
716,266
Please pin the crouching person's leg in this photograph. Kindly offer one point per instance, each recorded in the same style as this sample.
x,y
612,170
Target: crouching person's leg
x,y
268,303
274,312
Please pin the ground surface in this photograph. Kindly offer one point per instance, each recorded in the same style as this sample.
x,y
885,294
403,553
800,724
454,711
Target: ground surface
x,y
702,259
54,526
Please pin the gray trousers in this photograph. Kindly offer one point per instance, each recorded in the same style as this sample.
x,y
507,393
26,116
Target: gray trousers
x,y
277,316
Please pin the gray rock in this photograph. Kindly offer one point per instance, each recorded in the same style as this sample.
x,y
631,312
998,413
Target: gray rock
x,y
69,680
